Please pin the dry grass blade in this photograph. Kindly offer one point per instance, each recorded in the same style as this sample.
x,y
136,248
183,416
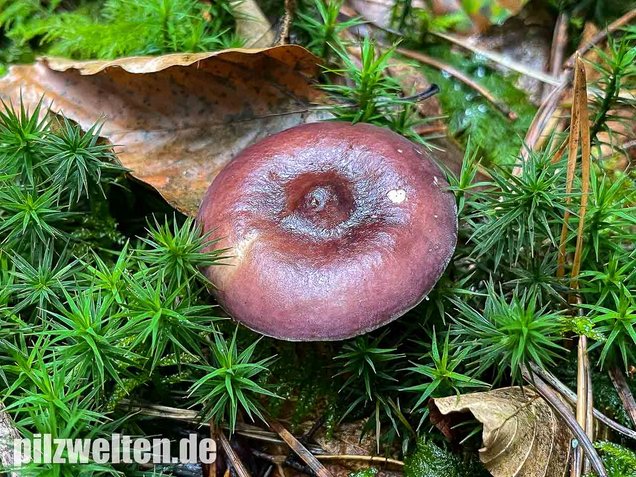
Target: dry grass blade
x,y
192,417
584,404
566,414
578,131
233,459
580,103
461,76
570,396
300,450
579,134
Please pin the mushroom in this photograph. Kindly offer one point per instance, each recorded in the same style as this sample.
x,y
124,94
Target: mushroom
x,y
334,230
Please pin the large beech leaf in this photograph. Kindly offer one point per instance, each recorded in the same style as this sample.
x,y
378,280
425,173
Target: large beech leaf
x,y
176,119
522,435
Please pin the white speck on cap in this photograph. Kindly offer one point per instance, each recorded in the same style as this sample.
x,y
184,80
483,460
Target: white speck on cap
x,y
397,196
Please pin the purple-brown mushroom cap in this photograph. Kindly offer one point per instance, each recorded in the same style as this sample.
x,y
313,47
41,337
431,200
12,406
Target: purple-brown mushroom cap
x,y
333,230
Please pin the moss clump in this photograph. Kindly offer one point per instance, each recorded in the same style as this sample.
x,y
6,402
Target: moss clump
x,y
430,460
619,461
370,472
114,28
472,116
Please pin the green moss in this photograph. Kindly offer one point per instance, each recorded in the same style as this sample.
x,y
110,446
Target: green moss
x,y
115,28
371,472
303,377
430,460
472,116
619,461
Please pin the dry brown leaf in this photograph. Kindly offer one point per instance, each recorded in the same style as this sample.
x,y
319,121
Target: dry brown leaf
x,y
176,119
522,436
252,24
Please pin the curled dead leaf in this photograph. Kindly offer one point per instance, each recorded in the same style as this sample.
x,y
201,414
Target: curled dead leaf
x,y
522,435
176,119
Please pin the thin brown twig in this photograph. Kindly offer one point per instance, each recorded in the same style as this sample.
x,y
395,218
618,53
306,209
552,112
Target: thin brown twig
x,y
579,133
425,129
282,460
361,458
493,56
558,153
185,415
500,59
370,459
461,76
212,466
300,450
273,459
602,35
233,458
542,118
622,388
559,43
570,396
585,405
557,51
568,418
288,18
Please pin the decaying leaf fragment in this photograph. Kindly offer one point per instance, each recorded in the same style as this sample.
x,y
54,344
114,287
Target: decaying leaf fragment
x,y
176,119
251,24
522,435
